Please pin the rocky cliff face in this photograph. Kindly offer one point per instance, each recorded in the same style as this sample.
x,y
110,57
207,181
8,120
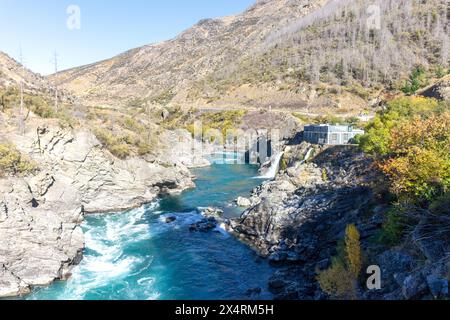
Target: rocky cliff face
x,y
439,90
298,219
40,214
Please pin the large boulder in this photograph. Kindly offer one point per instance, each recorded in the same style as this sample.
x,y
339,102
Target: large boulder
x,y
243,202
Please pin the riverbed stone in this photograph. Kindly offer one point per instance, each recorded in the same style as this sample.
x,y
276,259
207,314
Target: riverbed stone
x,y
243,202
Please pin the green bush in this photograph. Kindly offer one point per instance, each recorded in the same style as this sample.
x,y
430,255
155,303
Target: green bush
x,y
13,162
66,120
224,121
358,90
325,177
106,137
9,97
442,72
392,230
133,125
417,80
144,148
283,164
378,132
120,150
125,144
163,98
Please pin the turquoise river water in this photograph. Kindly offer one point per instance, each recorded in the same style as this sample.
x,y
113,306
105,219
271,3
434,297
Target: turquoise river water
x,y
136,255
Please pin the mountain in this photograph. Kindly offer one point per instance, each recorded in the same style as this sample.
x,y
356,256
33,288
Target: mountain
x,y
12,73
170,70
280,53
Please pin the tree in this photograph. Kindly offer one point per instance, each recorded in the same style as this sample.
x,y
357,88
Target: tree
x,y
340,281
337,281
353,250
420,167
377,140
416,81
411,142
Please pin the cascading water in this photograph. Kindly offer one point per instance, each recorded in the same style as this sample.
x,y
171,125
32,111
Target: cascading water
x,y
273,170
308,155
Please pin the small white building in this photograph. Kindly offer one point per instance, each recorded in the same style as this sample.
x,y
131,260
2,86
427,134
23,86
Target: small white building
x,y
330,134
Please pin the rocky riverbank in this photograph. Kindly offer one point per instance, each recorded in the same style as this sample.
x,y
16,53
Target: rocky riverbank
x,y
298,219
40,214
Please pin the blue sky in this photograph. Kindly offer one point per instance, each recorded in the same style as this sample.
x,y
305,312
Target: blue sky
x,y
108,27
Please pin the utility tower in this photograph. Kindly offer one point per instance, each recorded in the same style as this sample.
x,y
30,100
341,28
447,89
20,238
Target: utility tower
x,y
55,64
21,86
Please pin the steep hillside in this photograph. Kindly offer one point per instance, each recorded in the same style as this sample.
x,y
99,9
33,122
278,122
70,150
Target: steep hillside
x,y
12,73
279,53
161,72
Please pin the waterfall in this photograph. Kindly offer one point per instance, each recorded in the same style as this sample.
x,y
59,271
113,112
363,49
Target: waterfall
x,y
273,170
308,155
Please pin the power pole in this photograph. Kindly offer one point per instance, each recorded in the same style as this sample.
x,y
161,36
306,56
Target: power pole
x,y
55,63
21,81
21,122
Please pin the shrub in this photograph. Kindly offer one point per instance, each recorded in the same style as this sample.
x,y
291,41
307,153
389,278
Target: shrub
x,y
420,166
105,137
341,279
144,148
353,250
441,72
9,97
40,107
392,231
416,81
121,150
283,164
13,162
337,281
358,90
66,120
329,119
133,125
224,121
123,145
378,132
163,98
325,175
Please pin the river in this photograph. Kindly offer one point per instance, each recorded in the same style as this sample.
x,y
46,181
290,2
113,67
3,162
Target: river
x,y
136,255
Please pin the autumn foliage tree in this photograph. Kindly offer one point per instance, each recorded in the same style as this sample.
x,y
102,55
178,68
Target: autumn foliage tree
x,y
411,140
353,250
420,167
340,281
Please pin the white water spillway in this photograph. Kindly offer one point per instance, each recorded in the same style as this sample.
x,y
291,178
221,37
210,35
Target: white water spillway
x,y
275,165
308,155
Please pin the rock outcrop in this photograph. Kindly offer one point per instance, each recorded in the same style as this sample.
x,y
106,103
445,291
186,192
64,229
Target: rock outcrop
x,y
440,90
301,215
40,214
297,221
